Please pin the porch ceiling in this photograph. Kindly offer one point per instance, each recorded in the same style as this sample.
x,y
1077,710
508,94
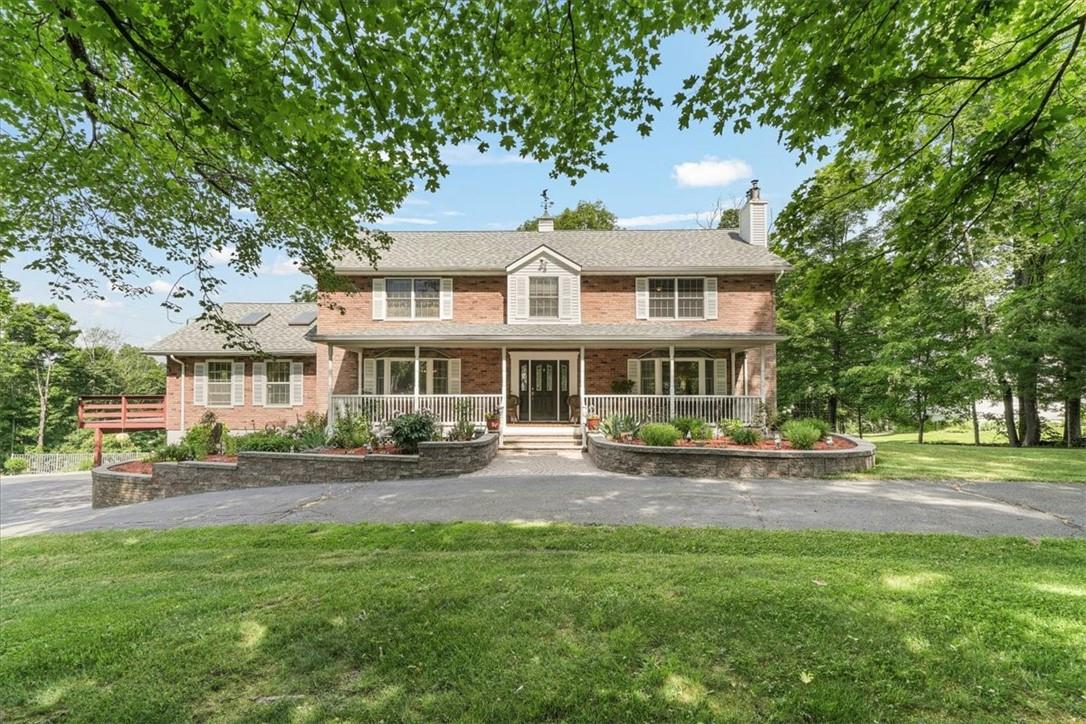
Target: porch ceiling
x,y
550,335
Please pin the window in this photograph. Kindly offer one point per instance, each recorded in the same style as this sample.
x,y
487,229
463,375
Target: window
x,y
278,384
543,297
413,298
396,376
676,298
648,377
219,389
440,380
401,377
693,376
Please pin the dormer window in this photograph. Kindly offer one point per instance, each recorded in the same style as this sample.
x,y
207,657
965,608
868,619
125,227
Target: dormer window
x,y
543,297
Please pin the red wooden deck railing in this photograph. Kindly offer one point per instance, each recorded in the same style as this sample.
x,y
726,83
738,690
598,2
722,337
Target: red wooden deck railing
x,y
122,413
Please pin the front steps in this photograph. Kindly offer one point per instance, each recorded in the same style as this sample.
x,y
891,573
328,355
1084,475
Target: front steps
x,y
542,437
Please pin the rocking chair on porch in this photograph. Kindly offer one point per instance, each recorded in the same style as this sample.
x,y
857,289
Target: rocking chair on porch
x,y
574,408
513,407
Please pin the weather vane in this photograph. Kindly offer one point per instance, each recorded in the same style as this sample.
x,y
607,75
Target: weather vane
x,y
546,203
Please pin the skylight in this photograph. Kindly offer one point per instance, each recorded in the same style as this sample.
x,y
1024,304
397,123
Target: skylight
x,y
304,319
252,319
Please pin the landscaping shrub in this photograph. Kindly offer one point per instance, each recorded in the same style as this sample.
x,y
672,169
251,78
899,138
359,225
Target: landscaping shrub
x,y
802,434
728,428
746,436
660,433
622,386
267,441
173,453
309,433
696,427
409,429
464,427
14,466
351,430
614,426
822,426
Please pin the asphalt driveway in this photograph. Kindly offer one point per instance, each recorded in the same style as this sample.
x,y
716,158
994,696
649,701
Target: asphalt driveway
x,y
564,488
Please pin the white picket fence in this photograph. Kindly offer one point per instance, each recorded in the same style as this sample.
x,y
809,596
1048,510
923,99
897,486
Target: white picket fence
x,y
381,408
658,408
71,462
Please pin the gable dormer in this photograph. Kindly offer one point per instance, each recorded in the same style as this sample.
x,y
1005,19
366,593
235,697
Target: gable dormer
x,y
544,287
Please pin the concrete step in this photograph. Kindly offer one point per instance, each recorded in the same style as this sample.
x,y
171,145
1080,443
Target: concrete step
x,y
539,442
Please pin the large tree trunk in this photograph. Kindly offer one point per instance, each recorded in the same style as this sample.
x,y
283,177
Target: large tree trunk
x,y
921,416
42,384
1029,418
1008,415
1073,428
976,423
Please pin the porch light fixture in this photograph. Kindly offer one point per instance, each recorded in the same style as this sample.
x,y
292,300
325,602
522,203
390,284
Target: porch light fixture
x,y
776,440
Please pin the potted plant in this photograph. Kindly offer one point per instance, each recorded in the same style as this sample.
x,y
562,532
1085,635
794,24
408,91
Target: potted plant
x,y
593,421
493,420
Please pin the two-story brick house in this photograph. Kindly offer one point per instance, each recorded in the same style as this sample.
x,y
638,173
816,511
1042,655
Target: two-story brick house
x,y
548,327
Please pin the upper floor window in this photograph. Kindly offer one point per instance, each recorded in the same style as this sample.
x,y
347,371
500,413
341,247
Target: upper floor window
x,y
219,389
543,297
413,298
676,297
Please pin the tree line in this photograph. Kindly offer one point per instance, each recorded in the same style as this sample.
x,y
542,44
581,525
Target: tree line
x,y
47,363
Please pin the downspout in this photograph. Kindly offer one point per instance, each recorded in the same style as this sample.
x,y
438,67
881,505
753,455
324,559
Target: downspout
x,y
182,365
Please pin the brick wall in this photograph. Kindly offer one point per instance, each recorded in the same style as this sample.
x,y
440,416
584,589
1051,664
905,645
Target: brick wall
x,y
477,300
243,417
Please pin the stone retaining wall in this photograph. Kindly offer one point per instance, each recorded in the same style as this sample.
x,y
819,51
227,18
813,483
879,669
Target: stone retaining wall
x,y
260,469
704,462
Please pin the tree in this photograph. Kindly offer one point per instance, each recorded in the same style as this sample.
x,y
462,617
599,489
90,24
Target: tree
x,y
966,95
304,293
137,135
586,215
729,219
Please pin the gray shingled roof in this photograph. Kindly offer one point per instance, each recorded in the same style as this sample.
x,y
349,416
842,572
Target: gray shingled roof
x,y
274,335
561,333
594,251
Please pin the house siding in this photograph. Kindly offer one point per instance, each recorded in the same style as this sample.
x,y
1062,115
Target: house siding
x,y
241,417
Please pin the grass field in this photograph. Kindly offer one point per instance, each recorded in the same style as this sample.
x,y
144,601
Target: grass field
x,y
483,622
900,457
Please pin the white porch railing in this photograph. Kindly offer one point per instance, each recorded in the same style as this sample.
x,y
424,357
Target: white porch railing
x,y
657,408
380,408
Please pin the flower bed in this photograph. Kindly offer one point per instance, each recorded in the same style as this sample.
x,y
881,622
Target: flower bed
x,y
726,460
249,469
836,443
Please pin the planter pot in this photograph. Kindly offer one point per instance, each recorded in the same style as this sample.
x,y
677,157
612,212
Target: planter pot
x,y
593,423
493,425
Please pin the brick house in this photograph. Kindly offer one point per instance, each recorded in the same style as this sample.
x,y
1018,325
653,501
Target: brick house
x,y
548,327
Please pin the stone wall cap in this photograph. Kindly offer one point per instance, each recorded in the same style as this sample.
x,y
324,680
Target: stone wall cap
x,y
862,448
484,439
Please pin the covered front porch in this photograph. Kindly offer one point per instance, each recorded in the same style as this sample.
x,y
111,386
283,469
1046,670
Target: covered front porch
x,y
538,385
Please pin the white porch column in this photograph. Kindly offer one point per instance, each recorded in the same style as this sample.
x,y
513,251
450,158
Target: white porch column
x,y
328,414
504,404
746,372
416,378
671,385
581,394
761,373
359,353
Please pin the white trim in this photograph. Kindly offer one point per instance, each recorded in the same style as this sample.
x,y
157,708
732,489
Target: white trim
x,y
414,316
542,249
515,358
592,271
675,298
426,380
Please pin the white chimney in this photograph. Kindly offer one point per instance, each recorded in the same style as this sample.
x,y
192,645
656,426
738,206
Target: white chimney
x,y
546,223
753,224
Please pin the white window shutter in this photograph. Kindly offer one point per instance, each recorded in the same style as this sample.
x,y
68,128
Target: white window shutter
x,y
641,303
369,376
522,297
511,297
199,384
633,372
379,298
446,298
564,293
575,299
259,376
720,377
454,376
237,384
297,383
710,298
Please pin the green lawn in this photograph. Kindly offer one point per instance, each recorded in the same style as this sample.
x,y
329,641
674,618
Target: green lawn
x,y
485,622
908,460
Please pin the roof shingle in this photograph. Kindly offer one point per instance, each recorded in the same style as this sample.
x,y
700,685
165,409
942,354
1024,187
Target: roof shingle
x,y
273,335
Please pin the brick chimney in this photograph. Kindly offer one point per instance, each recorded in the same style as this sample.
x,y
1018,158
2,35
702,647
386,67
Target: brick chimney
x,y
753,224
546,223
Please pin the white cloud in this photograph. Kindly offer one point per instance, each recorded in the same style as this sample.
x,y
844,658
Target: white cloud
x,y
283,266
656,219
412,201
220,257
470,156
160,287
453,213
710,171
104,303
407,220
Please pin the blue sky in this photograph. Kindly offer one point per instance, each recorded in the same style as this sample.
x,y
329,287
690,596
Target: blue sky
x,y
664,181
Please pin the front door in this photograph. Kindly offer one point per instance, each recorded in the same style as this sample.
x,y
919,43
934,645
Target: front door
x,y
544,390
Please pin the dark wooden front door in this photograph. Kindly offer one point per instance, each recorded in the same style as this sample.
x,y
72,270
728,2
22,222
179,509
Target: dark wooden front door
x,y
544,390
